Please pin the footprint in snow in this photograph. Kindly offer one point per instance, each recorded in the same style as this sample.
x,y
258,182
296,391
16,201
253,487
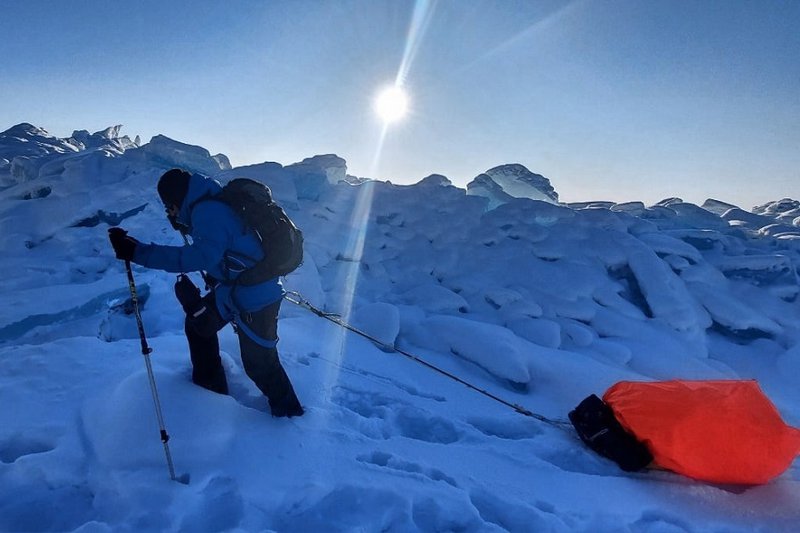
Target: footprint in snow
x,y
379,416
516,515
389,461
344,508
415,423
408,389
241,389
658,521
219,508
18,446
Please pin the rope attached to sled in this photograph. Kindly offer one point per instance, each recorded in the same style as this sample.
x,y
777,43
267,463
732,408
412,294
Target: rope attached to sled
x,y
298,299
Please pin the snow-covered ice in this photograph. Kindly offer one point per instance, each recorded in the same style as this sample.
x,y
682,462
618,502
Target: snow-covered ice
x,y
537,302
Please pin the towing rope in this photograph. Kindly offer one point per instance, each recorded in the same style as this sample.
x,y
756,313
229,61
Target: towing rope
x,y
298,299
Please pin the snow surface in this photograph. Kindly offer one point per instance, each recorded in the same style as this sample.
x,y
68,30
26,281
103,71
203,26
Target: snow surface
x,y
538,303
504,182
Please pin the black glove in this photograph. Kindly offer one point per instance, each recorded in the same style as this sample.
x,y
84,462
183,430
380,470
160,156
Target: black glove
x,y
124,246
188,295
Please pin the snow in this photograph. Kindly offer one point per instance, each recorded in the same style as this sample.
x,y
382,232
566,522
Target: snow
x,y
486,187
171,153
501,184
520,182
536,302
333,166
718,207
435,180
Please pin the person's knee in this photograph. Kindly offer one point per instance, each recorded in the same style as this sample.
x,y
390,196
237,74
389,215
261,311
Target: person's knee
x,y
270,357
203,325
260,360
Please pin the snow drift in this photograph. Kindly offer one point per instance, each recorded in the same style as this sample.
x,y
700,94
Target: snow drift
x,y
539,302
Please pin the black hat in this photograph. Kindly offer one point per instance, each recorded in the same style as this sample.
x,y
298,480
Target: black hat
x,y
172,186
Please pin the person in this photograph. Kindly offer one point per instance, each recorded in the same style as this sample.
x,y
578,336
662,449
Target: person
x,y
222,246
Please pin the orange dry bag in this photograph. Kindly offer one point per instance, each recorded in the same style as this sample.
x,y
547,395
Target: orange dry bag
x,y
716,431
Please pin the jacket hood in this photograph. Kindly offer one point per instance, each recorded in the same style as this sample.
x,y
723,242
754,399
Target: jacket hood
x,y
199,187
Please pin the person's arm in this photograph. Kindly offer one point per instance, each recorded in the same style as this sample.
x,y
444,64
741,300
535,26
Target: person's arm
x,y
206,251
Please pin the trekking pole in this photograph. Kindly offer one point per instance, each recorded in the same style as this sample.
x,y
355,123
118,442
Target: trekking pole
x,y
146,353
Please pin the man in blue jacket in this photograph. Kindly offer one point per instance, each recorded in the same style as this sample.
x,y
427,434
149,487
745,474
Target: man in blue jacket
x,y
222,246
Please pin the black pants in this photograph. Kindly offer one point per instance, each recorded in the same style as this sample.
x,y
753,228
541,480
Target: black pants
x,y
261,364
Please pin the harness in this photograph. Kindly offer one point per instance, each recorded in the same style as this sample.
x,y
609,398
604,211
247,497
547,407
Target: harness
x,y
237,320
240,322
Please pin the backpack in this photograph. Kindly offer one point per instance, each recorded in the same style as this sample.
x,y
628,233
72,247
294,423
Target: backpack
x,y
281,241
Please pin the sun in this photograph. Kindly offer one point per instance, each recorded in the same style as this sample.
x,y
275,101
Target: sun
x,y
391,104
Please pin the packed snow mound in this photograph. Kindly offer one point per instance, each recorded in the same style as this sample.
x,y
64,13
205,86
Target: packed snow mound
x,y
742,218
515,181
675,263
673,213
484,186
780,209
173,153
717,206
332,166
778,219
26,140
28,152
669,201
436,180
65,177
23,144
107,137
602,204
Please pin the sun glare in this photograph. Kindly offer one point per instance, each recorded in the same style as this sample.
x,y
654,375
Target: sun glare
x,y
391,104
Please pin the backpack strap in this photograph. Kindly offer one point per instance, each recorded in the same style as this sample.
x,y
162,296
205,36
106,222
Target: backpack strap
x,y
229,254
207,196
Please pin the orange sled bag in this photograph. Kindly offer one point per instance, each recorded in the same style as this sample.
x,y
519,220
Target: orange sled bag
x,y
715,431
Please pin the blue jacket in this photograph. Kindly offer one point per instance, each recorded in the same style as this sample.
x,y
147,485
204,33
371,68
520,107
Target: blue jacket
x,y
219,237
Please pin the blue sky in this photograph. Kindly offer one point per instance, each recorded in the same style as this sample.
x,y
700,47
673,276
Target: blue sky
x,y
620,100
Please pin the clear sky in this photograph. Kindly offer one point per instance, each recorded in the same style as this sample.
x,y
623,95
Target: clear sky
x,y
610,99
